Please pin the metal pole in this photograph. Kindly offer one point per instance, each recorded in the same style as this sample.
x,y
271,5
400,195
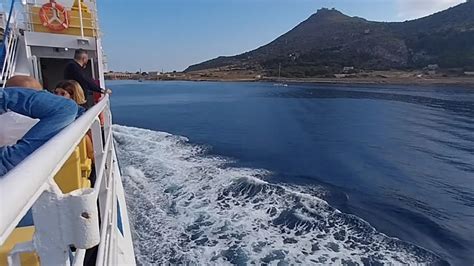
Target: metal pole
x,y
80,18
93,68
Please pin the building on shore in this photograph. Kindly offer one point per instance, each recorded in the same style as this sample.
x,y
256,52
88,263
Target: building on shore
x,y
118,75
153,74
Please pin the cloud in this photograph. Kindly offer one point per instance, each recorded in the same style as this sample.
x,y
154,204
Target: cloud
x,y
411,9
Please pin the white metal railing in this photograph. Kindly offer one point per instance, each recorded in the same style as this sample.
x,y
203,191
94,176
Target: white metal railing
x,y
83,20
91,5
22,19
31,185
24,14
10,46
8,66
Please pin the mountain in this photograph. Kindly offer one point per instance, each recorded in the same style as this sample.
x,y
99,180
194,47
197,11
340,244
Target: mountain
x,y
330,40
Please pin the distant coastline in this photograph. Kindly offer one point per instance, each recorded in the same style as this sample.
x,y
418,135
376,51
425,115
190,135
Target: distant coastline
x,y
332,47
369,78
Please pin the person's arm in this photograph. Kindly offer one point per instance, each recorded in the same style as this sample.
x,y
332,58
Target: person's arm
x,y
54,112
75,72
82,79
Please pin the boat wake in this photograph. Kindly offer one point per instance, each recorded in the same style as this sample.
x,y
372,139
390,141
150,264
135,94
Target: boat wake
x,y
188,207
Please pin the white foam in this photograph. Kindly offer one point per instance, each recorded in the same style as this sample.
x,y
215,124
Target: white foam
x,y
190,207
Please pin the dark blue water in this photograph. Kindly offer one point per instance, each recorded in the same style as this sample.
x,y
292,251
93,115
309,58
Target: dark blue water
x,y
401,158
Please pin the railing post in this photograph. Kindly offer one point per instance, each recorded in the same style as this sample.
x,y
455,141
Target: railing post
x,y
64,220
48,239
80,18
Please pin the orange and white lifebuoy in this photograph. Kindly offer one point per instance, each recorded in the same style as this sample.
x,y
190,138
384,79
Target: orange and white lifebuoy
x,y
54,16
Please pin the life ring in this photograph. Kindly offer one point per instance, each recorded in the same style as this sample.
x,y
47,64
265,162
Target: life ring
x,y
59,19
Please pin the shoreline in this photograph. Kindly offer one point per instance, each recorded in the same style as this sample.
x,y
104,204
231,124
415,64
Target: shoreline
x,y
457,82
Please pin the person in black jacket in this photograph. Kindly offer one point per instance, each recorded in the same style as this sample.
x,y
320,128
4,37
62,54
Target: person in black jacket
x,y
75,70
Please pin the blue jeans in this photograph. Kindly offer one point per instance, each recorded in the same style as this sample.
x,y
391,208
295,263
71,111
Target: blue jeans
x,y
54,113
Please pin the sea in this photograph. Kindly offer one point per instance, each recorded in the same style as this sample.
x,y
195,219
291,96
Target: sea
x,y
219,173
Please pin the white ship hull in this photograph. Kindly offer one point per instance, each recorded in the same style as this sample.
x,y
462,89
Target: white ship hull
x,y
92,216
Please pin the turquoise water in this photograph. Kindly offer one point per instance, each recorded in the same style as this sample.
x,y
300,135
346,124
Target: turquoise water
x,y
251,172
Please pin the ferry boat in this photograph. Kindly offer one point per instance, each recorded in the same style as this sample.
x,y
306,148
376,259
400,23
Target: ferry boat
x,y
71,217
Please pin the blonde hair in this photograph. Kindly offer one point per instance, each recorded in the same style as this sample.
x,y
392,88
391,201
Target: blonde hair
x,y
74,89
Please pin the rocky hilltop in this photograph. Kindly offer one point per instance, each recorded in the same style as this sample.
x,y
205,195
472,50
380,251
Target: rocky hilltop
x,y
329,41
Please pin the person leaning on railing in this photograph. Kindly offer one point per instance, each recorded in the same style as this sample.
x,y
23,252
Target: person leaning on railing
x,y
75,70
14,126
71,89
54,114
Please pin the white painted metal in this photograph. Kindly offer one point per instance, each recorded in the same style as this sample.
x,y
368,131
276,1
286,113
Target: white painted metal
x,y
68,3
74,220
92,67
71,214
14,256
10,54
13,45
122,247
22,64
80,18
23,185
79,257
58,41
61,219
100,60
35,69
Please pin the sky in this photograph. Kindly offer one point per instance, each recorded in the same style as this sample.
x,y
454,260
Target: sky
x,y
155,35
